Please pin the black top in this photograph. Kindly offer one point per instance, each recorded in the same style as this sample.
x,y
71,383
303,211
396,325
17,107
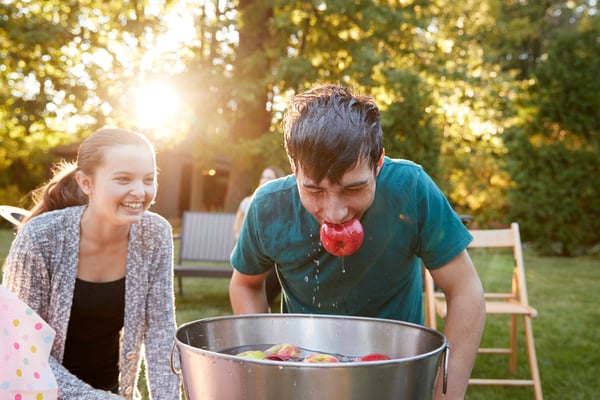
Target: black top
x,y
92,346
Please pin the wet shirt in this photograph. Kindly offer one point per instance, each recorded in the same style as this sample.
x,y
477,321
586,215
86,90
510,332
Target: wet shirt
x,y
410,220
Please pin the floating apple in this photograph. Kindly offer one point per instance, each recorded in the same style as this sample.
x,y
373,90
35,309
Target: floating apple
x,y
284,351
342,239
374,357
320,358
254,354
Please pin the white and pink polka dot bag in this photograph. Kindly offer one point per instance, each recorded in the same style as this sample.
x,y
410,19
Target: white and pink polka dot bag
x,y
25,343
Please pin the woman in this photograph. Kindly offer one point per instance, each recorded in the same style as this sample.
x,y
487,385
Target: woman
x,y
272,286
268,174
94,263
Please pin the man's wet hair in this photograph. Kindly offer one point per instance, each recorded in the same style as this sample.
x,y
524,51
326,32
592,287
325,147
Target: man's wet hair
x,y
328,129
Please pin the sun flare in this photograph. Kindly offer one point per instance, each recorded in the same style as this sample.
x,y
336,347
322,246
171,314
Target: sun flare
x,y
156,104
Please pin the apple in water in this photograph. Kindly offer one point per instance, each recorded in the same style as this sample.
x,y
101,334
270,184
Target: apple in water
x,y
254,354
320,358
276,358
342,239
374,357
283,351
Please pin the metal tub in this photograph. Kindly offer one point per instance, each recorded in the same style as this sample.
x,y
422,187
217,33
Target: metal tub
x,y
209,373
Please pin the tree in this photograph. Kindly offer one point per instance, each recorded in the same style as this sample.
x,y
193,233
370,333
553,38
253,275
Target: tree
x,y
67,66
457,82
555,150
250,94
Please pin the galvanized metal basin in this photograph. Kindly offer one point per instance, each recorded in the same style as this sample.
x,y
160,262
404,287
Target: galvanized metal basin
x,y
208,373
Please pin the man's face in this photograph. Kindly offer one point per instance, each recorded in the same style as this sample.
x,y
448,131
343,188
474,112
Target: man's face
x,y
338,203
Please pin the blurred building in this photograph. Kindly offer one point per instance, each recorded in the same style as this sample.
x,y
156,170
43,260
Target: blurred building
x,y
183,184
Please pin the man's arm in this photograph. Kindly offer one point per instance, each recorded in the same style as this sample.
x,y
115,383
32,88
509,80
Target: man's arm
x,y
465,320
247,293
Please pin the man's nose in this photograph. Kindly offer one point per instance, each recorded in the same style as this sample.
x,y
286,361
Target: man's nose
x,y
336,210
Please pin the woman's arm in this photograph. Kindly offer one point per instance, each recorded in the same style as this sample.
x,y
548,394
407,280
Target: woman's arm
x,y
163,383
71,387
26,274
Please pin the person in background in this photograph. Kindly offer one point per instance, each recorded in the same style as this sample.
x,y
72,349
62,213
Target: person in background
x,y
95,264
334,141
272,286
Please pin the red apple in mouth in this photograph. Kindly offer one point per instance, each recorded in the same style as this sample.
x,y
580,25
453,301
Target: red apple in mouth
x,y
374,357
342,239
320,358
284,351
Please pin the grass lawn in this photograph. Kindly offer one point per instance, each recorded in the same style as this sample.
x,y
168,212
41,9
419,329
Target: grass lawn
x,y
564,291
567,338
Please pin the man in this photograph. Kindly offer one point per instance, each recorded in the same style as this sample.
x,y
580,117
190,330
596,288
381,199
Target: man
x,y
334,141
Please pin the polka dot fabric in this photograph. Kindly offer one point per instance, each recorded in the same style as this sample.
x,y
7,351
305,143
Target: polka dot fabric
x,y
25,343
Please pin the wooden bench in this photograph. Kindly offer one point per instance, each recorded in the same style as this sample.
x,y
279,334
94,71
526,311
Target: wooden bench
x,y
206,242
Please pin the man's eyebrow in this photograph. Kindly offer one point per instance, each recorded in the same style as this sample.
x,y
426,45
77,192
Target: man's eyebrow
x,y
358,183
310,185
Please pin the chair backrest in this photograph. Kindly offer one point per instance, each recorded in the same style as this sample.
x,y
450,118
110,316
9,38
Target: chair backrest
x,y
206,236
505,238
14,215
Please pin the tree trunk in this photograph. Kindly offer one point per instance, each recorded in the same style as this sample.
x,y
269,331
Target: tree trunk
x,y
251,94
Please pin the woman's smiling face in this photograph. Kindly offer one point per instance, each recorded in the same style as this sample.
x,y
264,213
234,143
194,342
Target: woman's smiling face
x,y
124,185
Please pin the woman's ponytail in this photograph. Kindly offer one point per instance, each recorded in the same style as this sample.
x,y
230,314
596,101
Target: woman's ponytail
x,y
60,192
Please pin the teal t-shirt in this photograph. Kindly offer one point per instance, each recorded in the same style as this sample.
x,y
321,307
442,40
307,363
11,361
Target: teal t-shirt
x,y
410,220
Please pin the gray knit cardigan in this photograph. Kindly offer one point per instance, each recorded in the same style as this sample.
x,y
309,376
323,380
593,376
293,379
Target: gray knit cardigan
x,y
41,268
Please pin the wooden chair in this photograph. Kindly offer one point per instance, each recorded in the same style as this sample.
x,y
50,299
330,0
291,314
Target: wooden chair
x,y
14,215
514,303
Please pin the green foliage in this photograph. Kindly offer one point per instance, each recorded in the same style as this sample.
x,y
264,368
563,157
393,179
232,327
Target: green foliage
x,y
62,73
555,195
450,77
555,155
568,87
408,128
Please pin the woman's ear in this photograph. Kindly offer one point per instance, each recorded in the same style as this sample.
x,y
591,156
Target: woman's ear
x,y
84,182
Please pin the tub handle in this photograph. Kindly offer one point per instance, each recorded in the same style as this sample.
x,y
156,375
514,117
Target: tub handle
x,y
173,367
445,376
